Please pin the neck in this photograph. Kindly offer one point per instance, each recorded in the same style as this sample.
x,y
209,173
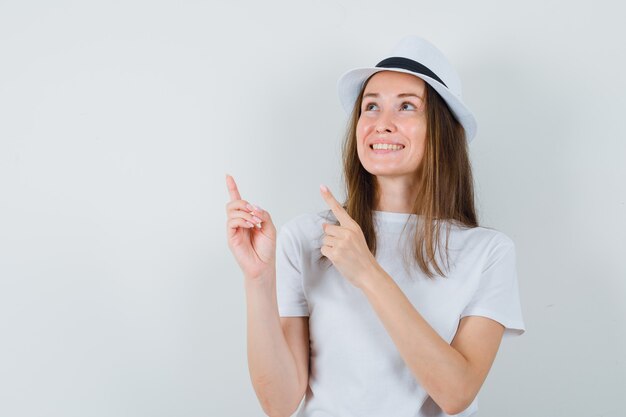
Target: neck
x,y
395,195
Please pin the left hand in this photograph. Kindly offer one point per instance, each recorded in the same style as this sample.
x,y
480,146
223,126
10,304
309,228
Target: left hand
x,y
345,245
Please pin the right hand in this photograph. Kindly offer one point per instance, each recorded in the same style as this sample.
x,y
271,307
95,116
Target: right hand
x,y
254,248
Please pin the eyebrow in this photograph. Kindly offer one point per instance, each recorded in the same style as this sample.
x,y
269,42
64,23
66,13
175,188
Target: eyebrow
x,y
399,95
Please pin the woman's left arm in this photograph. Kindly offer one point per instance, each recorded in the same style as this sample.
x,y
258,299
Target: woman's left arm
x,y
452,374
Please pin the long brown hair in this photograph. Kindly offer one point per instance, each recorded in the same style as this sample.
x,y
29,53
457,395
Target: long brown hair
x,y
444,178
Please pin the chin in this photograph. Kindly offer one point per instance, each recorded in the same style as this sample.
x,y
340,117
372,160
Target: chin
x,y
385,172
389,171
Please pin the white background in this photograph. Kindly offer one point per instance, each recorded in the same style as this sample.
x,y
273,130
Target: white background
x,y
119,120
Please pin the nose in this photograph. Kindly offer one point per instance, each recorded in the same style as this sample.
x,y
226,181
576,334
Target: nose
x,y
384,122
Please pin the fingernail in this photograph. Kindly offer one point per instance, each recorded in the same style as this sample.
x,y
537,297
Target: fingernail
x,y
258,207
249,207
323,188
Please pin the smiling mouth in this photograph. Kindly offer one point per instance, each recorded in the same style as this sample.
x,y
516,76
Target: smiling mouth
x,y
387,150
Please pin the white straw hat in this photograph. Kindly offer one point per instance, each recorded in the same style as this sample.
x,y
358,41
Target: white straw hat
x,y
417,56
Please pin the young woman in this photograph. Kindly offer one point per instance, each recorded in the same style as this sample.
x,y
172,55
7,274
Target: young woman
x,y
358,306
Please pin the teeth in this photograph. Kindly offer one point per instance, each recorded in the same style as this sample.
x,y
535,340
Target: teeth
x,y
387,146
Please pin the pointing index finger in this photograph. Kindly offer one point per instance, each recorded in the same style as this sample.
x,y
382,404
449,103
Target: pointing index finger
x,y
339,212
232,188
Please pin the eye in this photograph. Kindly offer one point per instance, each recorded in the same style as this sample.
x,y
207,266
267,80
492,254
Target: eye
x,y
409,103
367,106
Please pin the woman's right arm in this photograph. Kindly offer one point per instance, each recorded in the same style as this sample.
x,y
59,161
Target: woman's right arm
x,y
278,348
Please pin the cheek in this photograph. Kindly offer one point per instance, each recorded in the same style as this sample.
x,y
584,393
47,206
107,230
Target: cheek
x,y
416,132
360,126
361,132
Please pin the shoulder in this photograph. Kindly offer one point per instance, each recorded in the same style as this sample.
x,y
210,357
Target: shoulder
x,y
493,236
479,248
307,226
485,239
308,220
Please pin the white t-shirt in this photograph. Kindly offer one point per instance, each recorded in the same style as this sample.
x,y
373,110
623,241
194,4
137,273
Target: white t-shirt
x,y
355,368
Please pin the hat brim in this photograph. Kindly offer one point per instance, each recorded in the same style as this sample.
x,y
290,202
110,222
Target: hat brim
x,y
350,83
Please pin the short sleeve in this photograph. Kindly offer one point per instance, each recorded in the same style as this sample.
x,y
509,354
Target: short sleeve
x,y
289,286
497,296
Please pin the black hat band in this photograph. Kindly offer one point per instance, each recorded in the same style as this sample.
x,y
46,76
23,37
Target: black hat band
x,y
408,64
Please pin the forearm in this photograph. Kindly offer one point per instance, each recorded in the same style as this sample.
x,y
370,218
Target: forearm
x,y
438,367
271,364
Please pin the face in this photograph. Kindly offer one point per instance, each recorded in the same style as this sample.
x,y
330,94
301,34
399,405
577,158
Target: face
x,y
393,110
